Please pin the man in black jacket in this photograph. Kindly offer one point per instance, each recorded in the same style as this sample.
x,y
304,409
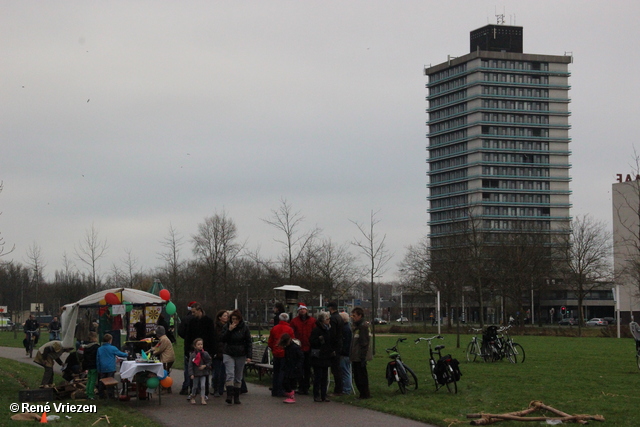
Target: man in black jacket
x,y
336,345
182,332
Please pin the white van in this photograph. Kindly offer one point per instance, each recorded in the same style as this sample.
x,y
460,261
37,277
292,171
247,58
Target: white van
x,y
5,323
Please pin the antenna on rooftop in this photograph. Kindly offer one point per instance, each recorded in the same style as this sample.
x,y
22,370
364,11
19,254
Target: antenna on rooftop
x,y
500,18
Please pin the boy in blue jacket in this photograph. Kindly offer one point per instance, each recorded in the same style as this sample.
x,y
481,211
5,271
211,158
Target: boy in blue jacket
x,y
106,361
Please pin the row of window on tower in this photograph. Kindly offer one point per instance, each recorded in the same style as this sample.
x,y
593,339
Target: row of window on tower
x,y
516,78
515,65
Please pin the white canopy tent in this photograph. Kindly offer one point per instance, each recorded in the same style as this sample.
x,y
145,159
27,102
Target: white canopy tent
x,y
69,316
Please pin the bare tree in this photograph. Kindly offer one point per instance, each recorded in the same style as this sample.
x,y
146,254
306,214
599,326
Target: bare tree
x,y
374,248
216,248
173,264
91,249
3,250
132,272
335,269
36,262
586,258
295,242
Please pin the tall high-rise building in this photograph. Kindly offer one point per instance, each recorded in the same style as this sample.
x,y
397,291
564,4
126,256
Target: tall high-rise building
x,y
498,139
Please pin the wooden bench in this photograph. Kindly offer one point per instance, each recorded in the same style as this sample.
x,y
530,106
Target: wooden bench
x,y
261,360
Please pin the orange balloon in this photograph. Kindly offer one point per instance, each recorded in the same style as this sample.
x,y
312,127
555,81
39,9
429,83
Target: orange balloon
x,y
167,382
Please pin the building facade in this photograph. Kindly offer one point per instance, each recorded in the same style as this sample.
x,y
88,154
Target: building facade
x,y
626,247
498,137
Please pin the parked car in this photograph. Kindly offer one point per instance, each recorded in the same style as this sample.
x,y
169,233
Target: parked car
x,y
402,319
379,321
568,321
596,321
609,320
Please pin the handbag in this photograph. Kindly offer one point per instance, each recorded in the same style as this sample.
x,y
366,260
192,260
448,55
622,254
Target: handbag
x,y
315,353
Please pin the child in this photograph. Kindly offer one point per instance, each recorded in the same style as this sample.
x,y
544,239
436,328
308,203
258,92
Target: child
x,y
199,369
89,363
106,361
164,351
292,366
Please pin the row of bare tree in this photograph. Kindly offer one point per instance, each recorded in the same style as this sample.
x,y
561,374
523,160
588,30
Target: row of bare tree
x,y
220,270
513,265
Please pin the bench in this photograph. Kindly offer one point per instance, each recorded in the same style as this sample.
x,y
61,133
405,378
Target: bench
x,y
261,361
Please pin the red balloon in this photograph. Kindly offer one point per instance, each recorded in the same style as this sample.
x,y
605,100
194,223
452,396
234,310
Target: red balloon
x,y
111,298
165,295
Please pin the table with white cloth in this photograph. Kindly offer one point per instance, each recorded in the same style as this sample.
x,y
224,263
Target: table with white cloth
x,y
129,369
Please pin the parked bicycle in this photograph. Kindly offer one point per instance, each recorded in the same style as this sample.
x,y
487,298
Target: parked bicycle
x,y
398,372
634,328
511,350
445,371
474,347
492,346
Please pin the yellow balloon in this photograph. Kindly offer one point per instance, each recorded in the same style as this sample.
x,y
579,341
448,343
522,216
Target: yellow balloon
x,y
102,302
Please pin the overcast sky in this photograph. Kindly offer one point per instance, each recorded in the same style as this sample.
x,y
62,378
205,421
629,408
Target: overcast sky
x,y
130,116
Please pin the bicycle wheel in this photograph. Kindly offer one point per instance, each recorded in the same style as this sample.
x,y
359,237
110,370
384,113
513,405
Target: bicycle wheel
x,y
402,386
452,384
412,379
30,348
472,354
509,352
518,353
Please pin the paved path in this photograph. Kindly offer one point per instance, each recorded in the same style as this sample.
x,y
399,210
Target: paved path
x,y
258,408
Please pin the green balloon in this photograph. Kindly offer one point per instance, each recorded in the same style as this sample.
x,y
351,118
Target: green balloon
x,y
128,306
153,382
171,308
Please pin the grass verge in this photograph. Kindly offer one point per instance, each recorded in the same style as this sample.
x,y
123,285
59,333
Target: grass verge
x,y
575,375
16,376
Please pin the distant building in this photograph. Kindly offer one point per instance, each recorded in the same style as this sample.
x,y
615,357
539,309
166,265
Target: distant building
x,y
626,246
498,138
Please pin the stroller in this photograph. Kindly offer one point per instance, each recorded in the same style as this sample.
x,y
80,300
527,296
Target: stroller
x,y
634,328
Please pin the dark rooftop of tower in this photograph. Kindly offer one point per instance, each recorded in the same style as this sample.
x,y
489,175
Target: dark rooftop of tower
x,y
497,38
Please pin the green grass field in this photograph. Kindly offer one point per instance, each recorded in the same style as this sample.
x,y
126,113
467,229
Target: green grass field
x,y
16,376
588,375
575,375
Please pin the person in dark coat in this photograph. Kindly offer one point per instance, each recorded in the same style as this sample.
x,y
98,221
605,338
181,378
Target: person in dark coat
x,y
336,344
292,367
321,354
236,337
278,309
201,326
219,373
361,352
182,332
90,364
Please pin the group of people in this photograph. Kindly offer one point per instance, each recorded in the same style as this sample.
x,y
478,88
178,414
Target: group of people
x,y
304,350
216,351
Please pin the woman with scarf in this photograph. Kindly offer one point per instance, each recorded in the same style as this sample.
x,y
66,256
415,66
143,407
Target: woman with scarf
x,y
237,351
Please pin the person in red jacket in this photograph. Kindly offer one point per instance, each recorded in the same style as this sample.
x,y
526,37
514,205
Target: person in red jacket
x,y
302,326
278,352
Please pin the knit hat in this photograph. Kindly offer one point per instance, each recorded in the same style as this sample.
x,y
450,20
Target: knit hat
x,y
190,304
160,331
301,306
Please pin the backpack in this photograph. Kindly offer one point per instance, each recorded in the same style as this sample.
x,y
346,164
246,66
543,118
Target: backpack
x,y
442,366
